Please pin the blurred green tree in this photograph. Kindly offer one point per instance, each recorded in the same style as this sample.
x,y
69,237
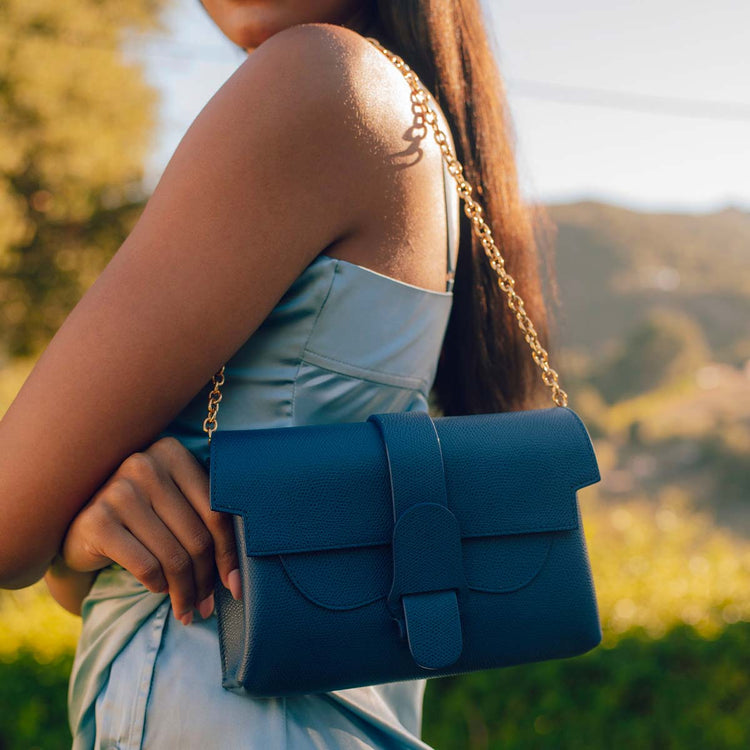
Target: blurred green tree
x,y
667,345
75,121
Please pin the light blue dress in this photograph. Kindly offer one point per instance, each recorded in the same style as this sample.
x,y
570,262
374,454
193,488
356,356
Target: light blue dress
x,y
343,342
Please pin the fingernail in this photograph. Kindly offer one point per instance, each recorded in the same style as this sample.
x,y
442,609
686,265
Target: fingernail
x,y
235,585
206,607
187,619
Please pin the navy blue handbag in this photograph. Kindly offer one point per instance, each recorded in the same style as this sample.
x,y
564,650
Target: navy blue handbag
x,y
403,547
406,546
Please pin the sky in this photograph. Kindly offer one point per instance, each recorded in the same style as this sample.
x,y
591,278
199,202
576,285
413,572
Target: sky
x,y
645,104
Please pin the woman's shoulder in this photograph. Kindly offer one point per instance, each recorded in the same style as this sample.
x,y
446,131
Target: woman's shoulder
x,y
349,84
324,58
327,54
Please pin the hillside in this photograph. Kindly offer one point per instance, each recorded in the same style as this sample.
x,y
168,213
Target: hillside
x,y
615,265
654,337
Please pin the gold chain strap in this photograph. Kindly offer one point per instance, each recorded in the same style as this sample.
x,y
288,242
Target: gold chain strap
x,y
474,211
210,423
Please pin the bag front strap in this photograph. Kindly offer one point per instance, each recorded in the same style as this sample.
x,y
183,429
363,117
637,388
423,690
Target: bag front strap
x,y
427,561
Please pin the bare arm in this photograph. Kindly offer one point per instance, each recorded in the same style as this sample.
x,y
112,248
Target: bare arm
x,y
250,197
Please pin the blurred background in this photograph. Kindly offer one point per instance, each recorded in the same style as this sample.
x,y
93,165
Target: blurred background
x,y
632,125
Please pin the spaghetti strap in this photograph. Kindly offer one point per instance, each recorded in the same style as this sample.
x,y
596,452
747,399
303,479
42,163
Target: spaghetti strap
x,y
451,221
452,206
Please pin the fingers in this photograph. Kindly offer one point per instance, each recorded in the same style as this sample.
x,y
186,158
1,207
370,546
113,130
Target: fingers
x,y
100,522
124,549
178,566
167,524
195,539
191,479
153,517
131,509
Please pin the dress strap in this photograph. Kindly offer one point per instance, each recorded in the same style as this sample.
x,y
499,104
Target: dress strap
x,y
451,221
452,210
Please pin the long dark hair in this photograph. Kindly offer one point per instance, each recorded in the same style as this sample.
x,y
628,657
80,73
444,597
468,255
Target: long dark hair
x,y
485,365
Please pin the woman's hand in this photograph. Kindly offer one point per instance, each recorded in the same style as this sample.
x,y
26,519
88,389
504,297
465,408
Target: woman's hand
x,y
153,518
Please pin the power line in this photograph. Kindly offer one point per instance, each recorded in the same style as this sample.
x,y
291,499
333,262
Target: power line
x,y
628,100
149,45
586,96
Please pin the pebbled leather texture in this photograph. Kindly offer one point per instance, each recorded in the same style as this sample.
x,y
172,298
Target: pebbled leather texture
x,y
404,547
427,567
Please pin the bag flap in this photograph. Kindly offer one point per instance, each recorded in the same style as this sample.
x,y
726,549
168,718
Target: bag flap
x,y
322,487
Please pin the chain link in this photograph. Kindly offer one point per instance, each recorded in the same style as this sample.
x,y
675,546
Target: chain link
x,y
210,423
474,212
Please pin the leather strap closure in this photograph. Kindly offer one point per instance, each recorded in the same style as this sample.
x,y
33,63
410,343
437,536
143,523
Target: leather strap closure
x,y
428,574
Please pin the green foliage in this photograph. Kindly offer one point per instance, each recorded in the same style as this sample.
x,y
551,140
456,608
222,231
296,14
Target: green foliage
x,y
75,120
679,692
33,711
664,347
31,621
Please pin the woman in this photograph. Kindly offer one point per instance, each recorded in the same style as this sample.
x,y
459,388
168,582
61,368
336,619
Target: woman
x,y
306,233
